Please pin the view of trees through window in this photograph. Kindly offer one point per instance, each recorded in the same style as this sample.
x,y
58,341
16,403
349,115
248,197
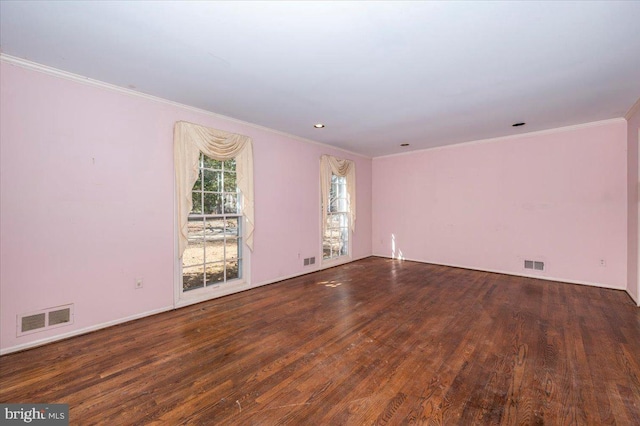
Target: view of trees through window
x,y
335,241
214,254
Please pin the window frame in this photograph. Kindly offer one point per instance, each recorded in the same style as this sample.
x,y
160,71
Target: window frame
x,y
345,224
226,286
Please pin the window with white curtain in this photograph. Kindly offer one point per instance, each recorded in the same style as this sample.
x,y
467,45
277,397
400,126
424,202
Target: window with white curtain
x,y
214,211
335,241
338,203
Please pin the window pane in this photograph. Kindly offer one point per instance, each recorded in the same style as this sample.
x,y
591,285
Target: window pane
x,y
210,163
192,277
230,204
214,250
195,228
194,253
233,270
333,221
198,184
212,203
231,246
196,205
344,246
214,245
213,254
215,273
326,251
230,165
211,180
231,227
230,184
214,227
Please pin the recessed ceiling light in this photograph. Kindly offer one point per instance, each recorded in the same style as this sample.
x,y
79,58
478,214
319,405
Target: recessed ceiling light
x,y
518,124
404,144
318,126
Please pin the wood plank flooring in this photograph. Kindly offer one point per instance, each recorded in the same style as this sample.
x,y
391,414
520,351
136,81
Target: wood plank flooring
x,y
376,341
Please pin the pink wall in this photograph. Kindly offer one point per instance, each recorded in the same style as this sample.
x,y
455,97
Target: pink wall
x,y
87,201
633,127
559,197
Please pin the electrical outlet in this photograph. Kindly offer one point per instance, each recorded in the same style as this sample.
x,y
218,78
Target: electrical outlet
x,y
138,283
603,262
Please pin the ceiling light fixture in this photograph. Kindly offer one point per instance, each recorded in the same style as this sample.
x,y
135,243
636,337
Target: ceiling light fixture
x,y
318,126
404,144
518,124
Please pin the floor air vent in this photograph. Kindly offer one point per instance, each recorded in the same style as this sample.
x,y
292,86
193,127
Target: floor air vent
x,y
45,319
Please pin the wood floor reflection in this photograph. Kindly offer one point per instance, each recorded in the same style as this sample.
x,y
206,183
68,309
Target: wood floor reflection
x,y
377,341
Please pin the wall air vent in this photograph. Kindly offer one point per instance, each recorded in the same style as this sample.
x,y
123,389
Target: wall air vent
x,y
59,316
44,319
33,322
536,265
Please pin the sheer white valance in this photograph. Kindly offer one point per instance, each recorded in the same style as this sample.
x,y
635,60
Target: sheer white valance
x,y
339,167
189,140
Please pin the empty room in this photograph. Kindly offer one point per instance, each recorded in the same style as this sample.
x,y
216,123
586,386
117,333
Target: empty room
x,y
319,213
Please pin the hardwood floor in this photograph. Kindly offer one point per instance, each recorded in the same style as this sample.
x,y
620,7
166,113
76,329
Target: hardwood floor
x,y
373,342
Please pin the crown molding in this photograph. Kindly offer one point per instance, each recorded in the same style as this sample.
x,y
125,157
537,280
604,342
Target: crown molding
x,y
634,108
34,66
511,137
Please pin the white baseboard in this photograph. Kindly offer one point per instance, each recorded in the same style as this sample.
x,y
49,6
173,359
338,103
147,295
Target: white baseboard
x,y
636,300
319,267
496,271
180,304
80,331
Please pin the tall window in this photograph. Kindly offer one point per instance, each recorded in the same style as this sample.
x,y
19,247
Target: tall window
x,y
213,254
335,242
338,201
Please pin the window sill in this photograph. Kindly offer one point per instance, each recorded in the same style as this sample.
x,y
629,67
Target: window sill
x,y
336,261
212,292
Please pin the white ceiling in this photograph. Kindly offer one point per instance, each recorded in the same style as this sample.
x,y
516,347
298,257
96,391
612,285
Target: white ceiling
x,y
376,73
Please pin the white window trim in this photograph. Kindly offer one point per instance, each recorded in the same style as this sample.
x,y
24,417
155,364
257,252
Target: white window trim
x,y
184,298
197,135
344,168
335,261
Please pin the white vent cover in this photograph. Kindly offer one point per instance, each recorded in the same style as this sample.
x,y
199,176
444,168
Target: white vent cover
x,y
44,319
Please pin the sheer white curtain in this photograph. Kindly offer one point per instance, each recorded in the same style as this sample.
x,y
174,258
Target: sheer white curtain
x,y
339,167
188,141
